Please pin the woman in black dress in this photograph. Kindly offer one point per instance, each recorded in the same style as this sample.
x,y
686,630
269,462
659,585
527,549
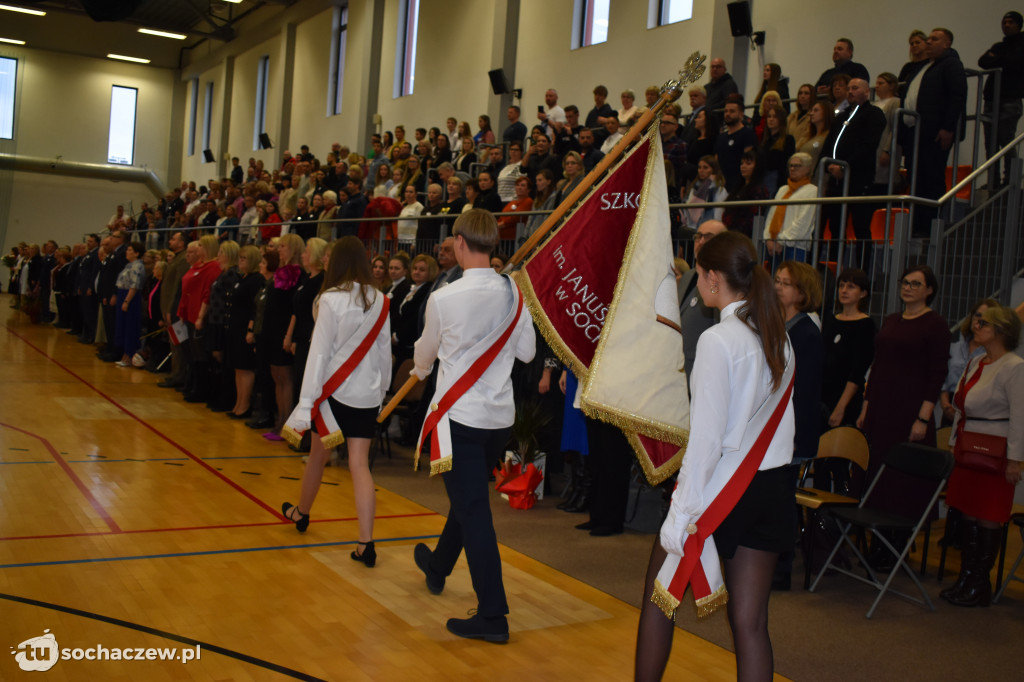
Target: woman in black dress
x,y
215,321
405,326
300,330
240,353
276,317
849,338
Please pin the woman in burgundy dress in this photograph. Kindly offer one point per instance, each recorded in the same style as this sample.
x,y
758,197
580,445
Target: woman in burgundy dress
x,y
911,350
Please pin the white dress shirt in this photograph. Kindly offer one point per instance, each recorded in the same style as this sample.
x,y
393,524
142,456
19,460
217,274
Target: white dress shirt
x,y
407,228
730,381
458,316
338,315
610,142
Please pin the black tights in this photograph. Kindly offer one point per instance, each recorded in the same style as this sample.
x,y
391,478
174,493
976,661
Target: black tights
x,y
748,578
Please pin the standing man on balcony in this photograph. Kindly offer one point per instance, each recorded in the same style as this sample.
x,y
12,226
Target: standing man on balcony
x,y
1007,55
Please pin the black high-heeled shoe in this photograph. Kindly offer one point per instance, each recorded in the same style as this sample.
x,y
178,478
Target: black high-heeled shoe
x,y
301,523
244,415
368,555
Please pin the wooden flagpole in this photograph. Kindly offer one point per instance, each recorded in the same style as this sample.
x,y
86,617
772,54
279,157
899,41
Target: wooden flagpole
x,y
670,92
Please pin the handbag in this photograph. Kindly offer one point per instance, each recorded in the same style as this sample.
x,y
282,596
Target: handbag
x,y
981,452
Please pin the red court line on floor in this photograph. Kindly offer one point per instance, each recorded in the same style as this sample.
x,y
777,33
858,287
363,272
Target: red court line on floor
x,y
74,478
149,426
217,527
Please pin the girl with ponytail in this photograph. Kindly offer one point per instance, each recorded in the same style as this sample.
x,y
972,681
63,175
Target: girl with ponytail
x,y
735,481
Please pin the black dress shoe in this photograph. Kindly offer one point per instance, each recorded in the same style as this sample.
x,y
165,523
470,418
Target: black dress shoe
x,y
217,407
244,415
300,520
421,554
586,525
605,531
368,556
260,422
169,383
477,627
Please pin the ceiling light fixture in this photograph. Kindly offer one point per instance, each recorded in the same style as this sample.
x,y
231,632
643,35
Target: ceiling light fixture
x,y
128,59
12,8
12,41
163,34
234,2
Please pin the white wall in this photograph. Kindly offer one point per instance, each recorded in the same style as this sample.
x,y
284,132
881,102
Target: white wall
x,y
64,110
310,123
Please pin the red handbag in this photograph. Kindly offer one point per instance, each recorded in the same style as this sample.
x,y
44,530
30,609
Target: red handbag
x,y
981,452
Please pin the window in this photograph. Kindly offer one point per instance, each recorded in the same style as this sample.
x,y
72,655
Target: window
x,y
8,79
121,144
207,115
260,121
193,105
405,57
590,22
667,12
336,79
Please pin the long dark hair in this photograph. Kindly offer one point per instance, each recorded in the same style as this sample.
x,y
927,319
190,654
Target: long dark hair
x,y
348,266
732,256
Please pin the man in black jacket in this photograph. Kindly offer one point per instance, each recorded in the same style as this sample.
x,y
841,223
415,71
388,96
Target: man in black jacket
x,y
107,289
853,138
85,289
1007,55
939,96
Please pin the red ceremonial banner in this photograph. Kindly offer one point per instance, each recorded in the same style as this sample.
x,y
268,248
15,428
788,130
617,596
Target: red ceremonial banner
x,y
572,277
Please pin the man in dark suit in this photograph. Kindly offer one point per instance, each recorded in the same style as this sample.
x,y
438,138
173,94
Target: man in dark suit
x,y
85,289
938,94
107,289
74,309
854,139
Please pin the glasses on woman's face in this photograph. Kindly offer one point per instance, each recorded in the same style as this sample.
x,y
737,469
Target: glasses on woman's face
x,y
702,236
981,322
912,284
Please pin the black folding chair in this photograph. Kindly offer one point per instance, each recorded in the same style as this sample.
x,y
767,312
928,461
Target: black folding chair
x,y
919,461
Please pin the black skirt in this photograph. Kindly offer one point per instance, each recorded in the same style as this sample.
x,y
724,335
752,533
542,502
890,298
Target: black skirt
x,y
765,516
355,422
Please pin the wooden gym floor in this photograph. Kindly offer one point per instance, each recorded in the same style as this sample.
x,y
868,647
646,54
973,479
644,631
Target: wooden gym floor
x,y
131,519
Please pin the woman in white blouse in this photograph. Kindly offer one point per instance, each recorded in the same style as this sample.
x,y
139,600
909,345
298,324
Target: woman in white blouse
x,y
349,311
989,399
789,229
741,426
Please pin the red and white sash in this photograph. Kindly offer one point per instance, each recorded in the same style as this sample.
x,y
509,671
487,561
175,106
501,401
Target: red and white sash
x,y
342,365
699,566
467,370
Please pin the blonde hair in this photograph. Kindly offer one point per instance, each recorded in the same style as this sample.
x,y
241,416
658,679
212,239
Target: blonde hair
x,y
209,244
230,249
478,228
316,247
432,267
295,245
770,93
252,259
1006,324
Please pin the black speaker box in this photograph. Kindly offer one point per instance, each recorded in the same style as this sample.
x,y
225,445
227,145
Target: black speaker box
x,y
739,18
499,83
265,141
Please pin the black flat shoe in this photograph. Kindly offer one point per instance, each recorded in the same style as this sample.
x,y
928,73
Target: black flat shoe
x,y
605,531
421,554
244,415
368,556
302,522
586,525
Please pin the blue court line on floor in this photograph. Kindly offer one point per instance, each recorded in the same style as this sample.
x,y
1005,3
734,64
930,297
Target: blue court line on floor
x,y
209,552
255,457
206,646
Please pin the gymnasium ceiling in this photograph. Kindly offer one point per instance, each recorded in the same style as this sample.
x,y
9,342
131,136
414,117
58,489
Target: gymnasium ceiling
x,y
95,28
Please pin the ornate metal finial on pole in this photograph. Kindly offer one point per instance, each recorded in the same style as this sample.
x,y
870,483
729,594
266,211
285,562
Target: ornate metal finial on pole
x,y
690,73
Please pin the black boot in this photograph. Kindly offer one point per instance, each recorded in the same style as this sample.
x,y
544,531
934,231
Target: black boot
x,y
977,589
582,501
953,535
575,487
968,541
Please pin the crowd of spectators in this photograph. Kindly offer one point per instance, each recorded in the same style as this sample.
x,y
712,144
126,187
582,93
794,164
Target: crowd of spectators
x,y
216,283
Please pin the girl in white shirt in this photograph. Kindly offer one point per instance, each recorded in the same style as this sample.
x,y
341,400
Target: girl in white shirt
x,y
347,306
743,367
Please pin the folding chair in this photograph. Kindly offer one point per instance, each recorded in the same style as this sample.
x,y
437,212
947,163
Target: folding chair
x,y
1017,520
402,411
841,443
912,459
